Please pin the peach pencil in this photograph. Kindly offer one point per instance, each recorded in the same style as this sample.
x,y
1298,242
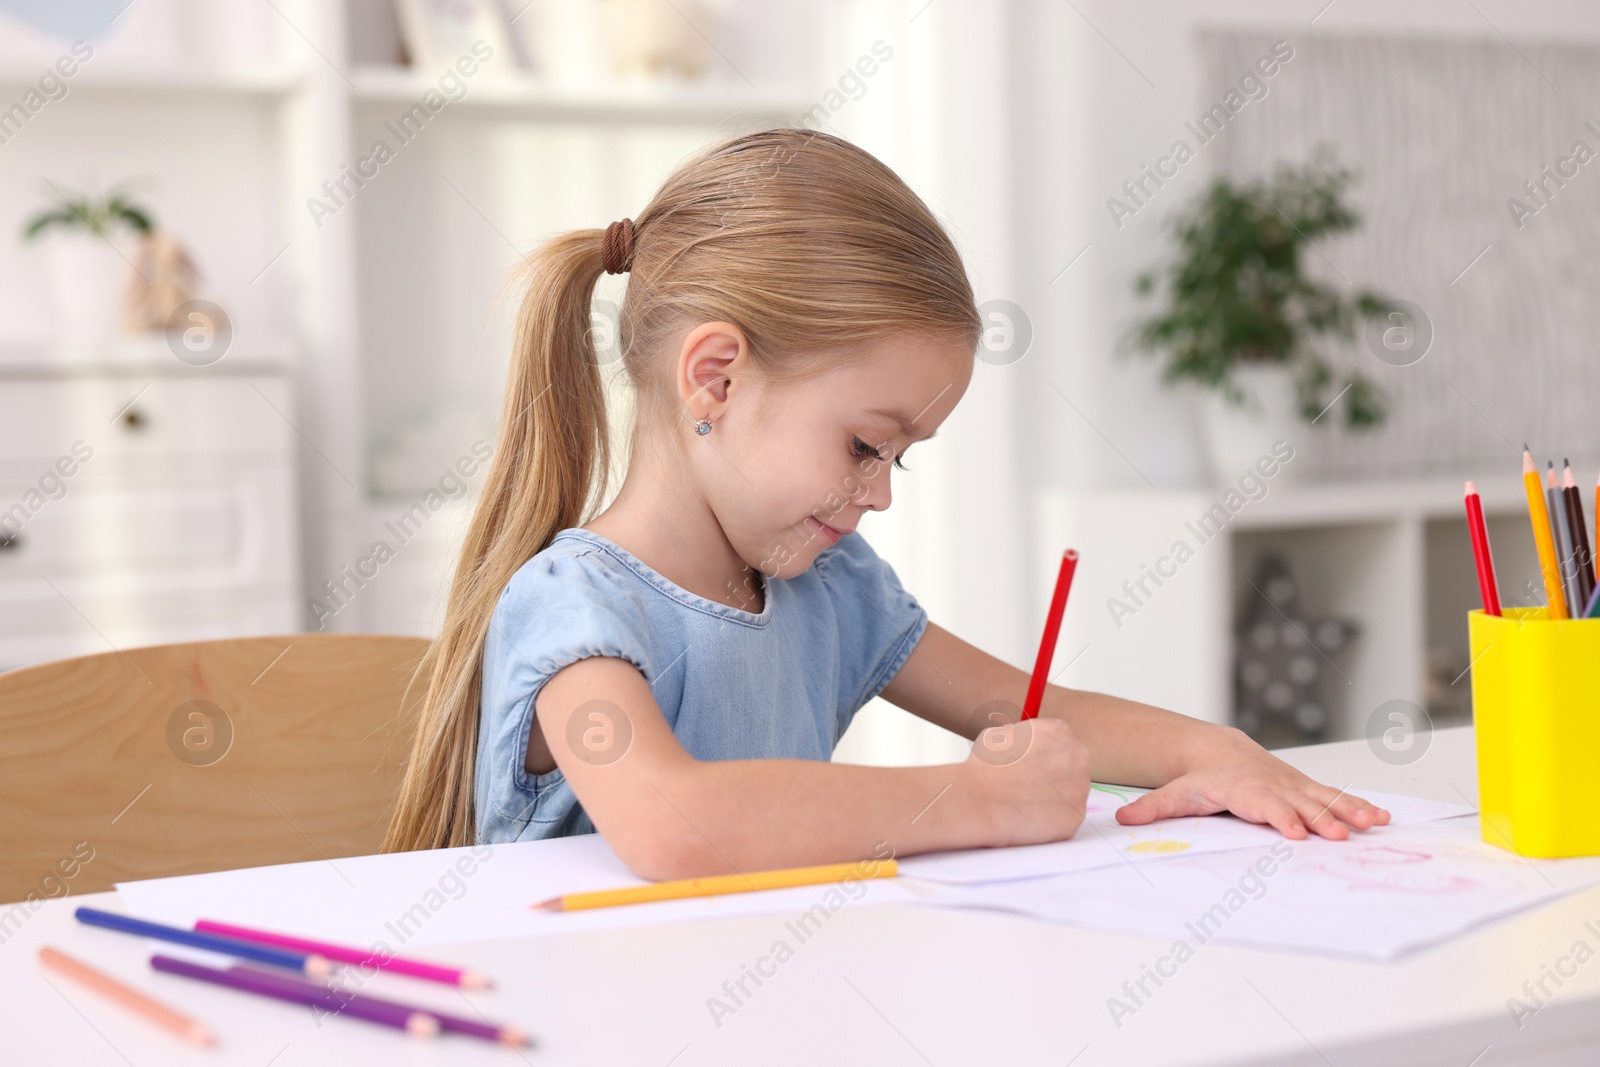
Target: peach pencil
x,y
128,997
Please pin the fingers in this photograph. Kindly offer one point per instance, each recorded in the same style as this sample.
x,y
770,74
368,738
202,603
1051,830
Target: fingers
x,y
1146,809
1169,802
1338,809
1319,817
1360,814
1277,812
1334,814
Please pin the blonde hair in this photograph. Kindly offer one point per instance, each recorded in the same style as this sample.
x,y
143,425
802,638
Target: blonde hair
x,y
809,244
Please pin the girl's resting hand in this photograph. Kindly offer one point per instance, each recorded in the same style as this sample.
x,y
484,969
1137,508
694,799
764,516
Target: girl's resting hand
x,y
1237,775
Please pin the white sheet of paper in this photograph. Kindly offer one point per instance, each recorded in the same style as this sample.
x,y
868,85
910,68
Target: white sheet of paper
x,y
1375,896
1104,842
411,899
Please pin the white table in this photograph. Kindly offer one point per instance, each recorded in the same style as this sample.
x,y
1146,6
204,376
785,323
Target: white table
x,y
897,985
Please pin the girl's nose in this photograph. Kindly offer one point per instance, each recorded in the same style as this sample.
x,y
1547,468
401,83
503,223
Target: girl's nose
x,y
879,493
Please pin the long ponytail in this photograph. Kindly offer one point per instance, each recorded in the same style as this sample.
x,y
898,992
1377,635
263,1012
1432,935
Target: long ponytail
x,y
550,463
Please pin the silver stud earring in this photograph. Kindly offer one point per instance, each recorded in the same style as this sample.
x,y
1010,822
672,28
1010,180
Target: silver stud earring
x,y
703,426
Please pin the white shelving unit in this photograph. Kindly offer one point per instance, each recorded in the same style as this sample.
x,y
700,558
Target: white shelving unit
x,y
535,100
384,313
1392,557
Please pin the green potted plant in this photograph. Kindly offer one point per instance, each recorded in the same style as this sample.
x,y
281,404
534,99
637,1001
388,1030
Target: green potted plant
x,y
88,253
1241,319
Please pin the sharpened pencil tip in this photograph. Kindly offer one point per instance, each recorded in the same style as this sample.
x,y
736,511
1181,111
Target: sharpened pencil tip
x,y
474,980
1471,489
553,904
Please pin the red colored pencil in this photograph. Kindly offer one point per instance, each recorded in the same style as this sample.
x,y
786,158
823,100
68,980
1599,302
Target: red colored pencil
x,y
1052,627
1487,587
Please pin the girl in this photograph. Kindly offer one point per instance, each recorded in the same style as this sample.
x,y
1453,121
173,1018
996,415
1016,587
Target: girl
x,y
676,670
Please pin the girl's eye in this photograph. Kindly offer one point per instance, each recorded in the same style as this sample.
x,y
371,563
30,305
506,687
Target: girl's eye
x,y
860,450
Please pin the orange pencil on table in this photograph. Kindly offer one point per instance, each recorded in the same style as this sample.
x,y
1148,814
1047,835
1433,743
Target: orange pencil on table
x,y
1052,628
128,997
1539,515
721,884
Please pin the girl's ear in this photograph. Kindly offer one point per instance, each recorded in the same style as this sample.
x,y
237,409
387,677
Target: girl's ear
x,y
713,354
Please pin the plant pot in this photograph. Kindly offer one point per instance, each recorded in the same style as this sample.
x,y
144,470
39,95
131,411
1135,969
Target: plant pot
x,y
1236,437
88,279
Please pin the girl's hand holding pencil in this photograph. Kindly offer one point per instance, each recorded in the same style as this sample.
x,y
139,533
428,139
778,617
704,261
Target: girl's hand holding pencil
x,y
1033,776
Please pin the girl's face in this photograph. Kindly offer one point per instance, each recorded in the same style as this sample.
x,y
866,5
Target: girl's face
x,y
797,464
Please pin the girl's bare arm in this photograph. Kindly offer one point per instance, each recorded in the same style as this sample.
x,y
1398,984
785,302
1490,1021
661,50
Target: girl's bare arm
x,y
1197,768
669,815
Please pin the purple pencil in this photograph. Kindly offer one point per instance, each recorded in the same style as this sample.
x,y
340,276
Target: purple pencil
x,y
337,998
397,1016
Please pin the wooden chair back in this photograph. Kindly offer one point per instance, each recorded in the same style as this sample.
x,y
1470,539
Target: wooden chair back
x,y
180,759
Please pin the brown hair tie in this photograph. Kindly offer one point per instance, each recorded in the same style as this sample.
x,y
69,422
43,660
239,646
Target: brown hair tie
x,y
616,250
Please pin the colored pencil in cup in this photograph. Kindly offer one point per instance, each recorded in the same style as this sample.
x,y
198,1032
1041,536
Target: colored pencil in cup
x,y
1052,628
1481,555
365,957
448,1023
718,885
306,963
128,997
1539,516
1561,531
1578,531
412,1021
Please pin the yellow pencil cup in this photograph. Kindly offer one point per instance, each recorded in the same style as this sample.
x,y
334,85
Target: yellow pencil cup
x,y
1536,713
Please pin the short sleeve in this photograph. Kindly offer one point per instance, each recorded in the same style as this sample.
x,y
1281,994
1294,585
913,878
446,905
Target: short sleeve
x,y
880,623
557,609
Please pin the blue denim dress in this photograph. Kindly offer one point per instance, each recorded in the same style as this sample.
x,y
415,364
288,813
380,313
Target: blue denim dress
x,y
732,684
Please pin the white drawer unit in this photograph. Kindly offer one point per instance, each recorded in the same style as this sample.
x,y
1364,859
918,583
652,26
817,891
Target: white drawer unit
x,y
144,506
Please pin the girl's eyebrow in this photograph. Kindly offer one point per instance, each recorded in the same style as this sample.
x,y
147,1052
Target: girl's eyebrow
x,y
907,426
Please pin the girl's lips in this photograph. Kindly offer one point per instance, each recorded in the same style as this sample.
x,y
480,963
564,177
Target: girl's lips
x,y
827,531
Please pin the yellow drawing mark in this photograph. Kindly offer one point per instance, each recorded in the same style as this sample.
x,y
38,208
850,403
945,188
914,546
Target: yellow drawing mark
x,y
1158,845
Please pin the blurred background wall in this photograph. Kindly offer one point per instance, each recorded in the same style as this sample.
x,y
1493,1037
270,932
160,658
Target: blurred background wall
x,y
284,368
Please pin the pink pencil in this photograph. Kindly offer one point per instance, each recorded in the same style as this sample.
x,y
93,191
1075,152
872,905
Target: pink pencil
x,y
431,972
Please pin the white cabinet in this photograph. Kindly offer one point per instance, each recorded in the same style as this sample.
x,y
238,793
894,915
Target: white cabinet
x,y
144,504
